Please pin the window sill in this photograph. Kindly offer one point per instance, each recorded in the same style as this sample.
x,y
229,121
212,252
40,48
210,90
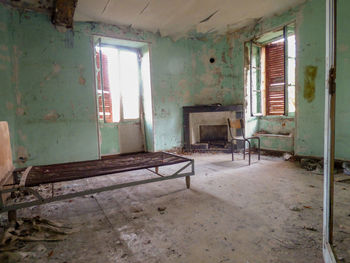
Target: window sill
x,y
272,117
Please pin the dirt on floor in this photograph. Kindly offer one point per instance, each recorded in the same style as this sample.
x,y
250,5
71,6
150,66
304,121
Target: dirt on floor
x,y
270,211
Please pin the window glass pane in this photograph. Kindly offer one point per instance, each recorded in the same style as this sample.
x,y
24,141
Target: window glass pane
x,y
256,72
129,80
112,82
291,46
291,99
291,71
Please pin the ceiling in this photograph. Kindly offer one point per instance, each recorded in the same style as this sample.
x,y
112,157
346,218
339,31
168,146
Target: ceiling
x,y
176,18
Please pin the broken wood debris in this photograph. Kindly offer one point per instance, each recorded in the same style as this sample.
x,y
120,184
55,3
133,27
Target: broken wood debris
x,y
32,229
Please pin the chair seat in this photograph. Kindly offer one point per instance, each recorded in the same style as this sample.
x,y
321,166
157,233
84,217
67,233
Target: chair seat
x,y
238,138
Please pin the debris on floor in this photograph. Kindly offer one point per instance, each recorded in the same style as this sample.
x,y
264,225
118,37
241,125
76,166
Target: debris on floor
x,y
161,209
287,156
136,209
32,229
346,167
310,228
308,164
10,257
295,209
316,166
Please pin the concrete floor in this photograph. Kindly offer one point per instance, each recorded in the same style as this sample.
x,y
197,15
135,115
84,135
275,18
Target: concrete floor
x,y
270,211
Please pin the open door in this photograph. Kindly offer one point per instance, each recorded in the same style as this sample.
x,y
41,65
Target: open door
x,y
118,87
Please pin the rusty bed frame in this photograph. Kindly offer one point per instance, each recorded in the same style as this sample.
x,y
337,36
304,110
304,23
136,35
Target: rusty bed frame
x,y
32,177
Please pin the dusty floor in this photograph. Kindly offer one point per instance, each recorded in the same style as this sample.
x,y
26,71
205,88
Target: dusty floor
x,y
270,211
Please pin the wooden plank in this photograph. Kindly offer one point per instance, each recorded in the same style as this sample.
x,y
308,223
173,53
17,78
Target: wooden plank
x,y
6,165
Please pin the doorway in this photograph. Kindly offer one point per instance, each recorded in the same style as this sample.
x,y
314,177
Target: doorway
x,y
120,103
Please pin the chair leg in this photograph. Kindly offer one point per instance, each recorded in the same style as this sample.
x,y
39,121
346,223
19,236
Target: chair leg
x,y
232,150
249,150
259,149
243,150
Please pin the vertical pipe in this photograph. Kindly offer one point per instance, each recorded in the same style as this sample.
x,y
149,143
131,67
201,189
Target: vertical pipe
x,y
329,130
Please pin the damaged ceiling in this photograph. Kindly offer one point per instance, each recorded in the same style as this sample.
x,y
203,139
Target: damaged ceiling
x,y
176,18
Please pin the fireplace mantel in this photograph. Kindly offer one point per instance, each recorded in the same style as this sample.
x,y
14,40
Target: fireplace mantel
x,y
237,109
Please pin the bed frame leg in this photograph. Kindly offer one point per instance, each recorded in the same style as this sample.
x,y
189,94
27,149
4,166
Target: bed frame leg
x,y
12,217
157,169
188,182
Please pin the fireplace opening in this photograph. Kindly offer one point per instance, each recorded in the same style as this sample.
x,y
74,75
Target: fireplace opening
x,y
213,135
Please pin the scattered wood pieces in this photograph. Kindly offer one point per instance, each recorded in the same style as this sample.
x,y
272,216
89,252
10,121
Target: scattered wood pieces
x,y
295,209
310,228
32,229
161,208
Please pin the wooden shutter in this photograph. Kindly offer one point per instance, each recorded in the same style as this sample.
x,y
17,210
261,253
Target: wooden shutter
x,y
275,79
106,89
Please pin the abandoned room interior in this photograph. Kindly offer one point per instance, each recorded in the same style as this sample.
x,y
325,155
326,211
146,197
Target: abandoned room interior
x,y
174,131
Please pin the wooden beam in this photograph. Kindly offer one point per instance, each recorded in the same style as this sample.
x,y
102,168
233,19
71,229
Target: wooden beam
x,y
63,13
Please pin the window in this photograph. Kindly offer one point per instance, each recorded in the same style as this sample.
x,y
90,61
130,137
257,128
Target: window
x,y
118,83
271,73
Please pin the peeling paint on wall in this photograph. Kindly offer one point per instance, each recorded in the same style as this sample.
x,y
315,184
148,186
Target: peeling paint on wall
x,y
82,80
20,111
55,70
309,83
9,105
51,116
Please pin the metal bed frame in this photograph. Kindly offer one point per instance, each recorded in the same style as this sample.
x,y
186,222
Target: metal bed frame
x,y
38,175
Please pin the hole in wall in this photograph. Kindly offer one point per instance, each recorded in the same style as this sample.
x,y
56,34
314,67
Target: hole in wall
x,y
212,60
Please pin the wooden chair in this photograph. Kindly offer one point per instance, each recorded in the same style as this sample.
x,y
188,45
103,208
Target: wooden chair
x,y
239,124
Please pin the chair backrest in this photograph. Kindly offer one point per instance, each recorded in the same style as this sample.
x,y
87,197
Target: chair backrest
x,y
236,124
6,165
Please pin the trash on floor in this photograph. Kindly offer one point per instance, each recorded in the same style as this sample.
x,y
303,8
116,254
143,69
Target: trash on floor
x,y
346,167
308,164
32,229
316,166
287,156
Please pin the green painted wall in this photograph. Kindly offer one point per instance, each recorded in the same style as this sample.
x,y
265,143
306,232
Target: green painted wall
x,y
342,135
310,52
53,117
48,95
309,119
310,34
7,95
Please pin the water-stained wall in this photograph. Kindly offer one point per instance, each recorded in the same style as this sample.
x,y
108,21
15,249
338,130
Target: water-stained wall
x,y
49,98
310,77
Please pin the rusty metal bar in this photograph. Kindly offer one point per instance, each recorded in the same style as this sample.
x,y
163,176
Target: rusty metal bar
x,y
40,200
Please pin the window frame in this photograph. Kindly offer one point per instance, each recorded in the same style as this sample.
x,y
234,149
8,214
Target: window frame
x,y
99,45
262,88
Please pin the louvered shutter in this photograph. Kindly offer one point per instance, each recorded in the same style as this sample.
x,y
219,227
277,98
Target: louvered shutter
x,y
275,79
106,89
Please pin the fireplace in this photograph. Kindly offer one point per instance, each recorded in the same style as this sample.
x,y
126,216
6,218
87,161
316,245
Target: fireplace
x,y
206,129
213,135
